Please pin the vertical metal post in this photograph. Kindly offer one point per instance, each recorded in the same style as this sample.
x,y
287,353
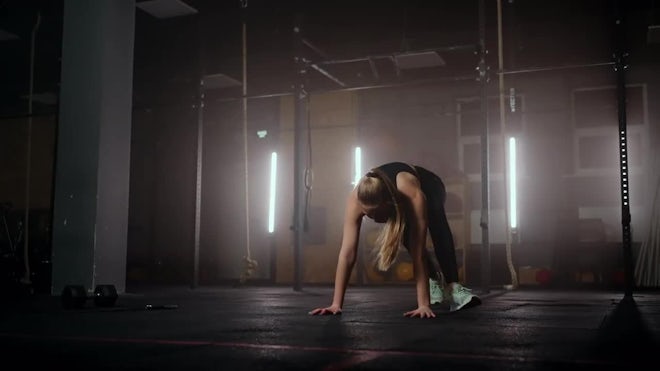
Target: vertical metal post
x,y
244,106
485,184
624,161
300,108
27,276
198,181
201,91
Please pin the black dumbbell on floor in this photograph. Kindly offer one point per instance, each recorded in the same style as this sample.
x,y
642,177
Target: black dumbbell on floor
x,y
75,296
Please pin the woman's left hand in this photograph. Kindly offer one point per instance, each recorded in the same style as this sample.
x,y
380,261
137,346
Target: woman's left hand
x,y
421,312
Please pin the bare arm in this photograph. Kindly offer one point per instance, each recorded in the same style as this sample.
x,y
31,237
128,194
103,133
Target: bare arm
x,y
409,186
347,254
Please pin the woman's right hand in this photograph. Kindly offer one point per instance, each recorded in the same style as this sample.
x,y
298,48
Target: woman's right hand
x,y
333,309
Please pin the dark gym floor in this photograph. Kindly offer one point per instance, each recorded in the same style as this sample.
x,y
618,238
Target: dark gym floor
x,y
268,328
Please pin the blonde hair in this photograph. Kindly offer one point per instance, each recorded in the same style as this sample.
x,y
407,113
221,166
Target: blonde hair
x,y
375,188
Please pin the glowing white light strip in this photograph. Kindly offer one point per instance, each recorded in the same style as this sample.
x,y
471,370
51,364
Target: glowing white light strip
x,y
271,202
358,166
513,222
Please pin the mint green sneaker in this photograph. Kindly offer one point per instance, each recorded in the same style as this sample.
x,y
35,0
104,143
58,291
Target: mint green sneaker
x,y
462,297
436,291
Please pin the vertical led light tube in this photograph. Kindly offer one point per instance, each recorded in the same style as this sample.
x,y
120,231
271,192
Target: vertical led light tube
x,y
513,202
357,166
271,202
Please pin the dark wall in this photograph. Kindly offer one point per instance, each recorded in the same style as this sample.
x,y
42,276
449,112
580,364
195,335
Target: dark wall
x,y
417,124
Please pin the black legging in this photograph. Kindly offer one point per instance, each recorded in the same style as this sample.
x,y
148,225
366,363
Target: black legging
x,y
438,226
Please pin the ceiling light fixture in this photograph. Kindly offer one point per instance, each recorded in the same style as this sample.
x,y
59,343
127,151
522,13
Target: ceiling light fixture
x,y
164,9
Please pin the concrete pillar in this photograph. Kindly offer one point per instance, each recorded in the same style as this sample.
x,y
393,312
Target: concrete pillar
x,y
90,211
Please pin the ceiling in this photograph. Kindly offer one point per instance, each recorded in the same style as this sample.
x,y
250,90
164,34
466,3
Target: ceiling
x,y
345,43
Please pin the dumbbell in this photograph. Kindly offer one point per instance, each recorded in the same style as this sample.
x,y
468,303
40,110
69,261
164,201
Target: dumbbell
x,y
75,296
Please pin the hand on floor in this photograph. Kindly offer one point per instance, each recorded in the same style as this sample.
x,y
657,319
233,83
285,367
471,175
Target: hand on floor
x,y
333,309
421,312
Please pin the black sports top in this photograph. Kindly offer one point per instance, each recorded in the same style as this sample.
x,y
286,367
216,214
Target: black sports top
x,y
430,183
392,169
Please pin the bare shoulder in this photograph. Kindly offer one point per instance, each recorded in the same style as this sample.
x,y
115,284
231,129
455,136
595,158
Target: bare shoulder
x,y
353,208
406,181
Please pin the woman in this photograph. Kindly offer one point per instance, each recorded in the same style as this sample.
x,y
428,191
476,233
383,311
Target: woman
x,y
410,200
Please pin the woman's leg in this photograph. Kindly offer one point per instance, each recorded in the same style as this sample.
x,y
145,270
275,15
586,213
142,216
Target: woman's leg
x,y
439,230
443,242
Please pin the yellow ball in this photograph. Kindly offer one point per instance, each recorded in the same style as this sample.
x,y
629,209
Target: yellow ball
x,y
404,271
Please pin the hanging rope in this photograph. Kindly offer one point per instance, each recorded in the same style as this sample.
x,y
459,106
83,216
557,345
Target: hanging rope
x,y
249,265
509,259
309,173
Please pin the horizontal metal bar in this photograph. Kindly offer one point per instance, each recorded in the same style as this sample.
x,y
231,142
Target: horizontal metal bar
x,y
328,75
419,82
555,68
391,55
